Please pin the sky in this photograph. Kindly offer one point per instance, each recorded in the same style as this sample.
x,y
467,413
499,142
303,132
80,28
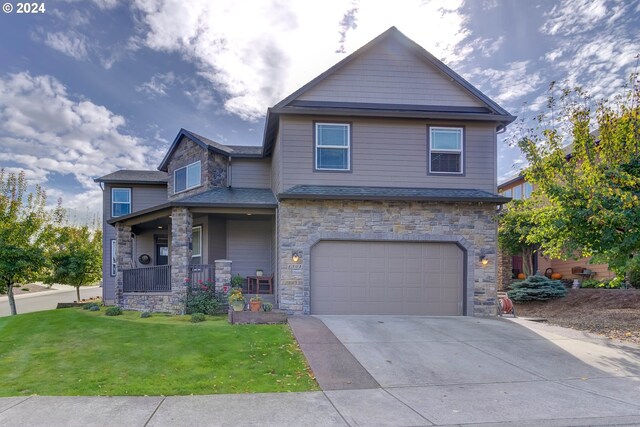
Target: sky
x,y
90,87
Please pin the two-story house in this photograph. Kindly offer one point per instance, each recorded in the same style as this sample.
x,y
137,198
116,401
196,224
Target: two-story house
x,y
373,192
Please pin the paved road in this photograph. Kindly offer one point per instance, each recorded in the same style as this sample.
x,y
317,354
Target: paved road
x,y
46,300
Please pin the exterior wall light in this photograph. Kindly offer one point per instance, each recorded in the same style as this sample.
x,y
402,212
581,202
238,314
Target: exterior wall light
x,y
295,257
484,260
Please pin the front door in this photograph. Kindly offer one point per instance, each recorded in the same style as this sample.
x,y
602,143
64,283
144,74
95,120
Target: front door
x,y
162,250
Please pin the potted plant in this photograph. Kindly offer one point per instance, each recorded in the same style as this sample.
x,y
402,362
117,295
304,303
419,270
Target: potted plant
x,y
259,272
236,299
255,303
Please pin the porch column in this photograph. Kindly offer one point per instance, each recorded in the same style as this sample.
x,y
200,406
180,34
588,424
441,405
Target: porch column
x,y
180,255
124,251
223,273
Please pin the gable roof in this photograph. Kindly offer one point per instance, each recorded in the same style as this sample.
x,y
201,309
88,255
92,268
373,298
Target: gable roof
x,y
203,142
489,110
134,176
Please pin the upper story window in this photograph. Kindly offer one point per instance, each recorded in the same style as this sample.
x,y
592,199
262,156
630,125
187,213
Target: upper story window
x,y
445,150
333,146
186,177
120,201
528,189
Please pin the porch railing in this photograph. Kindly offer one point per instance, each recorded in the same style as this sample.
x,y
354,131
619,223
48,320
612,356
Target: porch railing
x,y
147,279
202,272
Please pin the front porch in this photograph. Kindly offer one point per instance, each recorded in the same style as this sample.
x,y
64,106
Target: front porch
x,y
158,253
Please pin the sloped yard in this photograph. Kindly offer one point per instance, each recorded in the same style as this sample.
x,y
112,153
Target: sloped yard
x,y
614,313
77,352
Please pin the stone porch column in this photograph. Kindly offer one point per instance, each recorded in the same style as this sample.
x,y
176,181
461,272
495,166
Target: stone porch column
x,y
223,273
124,253
180,255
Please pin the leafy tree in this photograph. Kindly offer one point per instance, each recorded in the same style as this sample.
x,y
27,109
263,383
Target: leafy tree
x,y
516,224
22,221
592,195
76,258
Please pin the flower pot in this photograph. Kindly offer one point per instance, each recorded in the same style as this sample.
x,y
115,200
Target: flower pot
x,y
259,273
255,305
237,305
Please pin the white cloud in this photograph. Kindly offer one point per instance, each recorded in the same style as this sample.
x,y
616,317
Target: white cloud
x,y
575,16
508,85
257,52
44,130
71,43
157,85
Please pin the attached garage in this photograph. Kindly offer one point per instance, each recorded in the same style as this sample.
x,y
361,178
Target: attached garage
x,y
372,277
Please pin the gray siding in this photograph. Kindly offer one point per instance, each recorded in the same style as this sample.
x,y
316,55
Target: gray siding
x,y
251,173
142,197
391,74
276,165
217,239
388,152
249,246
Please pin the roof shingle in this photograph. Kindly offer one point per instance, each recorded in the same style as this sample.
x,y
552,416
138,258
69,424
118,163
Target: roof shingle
x,y
134,176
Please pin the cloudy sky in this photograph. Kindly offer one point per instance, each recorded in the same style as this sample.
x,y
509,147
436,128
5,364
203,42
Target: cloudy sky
x,y
89,87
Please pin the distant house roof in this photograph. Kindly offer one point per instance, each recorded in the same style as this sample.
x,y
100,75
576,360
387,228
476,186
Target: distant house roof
x,y
390,193
248,198
134,176
291,105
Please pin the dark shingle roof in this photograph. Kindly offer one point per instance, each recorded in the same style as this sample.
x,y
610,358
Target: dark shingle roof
x,y
390,193
134,176
231,197
246,150
210,143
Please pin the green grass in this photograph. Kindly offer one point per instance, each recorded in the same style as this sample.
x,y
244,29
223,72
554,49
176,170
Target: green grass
x,y
72,352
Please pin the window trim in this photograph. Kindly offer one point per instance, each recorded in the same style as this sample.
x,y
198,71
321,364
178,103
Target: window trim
x,y
128,190
199,228
114,258
460,151
348,147
186,167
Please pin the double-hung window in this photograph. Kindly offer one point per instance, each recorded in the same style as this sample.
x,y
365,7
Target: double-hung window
x,y
120,201
333,147
446,150
196,245
186,177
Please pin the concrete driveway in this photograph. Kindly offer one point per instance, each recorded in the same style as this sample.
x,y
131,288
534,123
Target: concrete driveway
x,y
463,370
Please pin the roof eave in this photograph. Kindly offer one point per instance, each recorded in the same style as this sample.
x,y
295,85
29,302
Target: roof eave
x,y
493,200
132,182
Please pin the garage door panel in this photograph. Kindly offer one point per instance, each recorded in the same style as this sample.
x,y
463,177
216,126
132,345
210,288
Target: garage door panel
x,y
350,277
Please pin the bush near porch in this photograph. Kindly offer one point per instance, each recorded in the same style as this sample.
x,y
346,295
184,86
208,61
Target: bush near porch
x,y
81,352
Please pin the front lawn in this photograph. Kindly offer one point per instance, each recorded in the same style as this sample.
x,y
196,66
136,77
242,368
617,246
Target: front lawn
x,y
78,352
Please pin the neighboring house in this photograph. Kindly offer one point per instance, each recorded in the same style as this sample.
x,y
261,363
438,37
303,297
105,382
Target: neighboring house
x,y
509,267
373,192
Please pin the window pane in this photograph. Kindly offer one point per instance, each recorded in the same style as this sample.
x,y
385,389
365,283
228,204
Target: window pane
x,y
332,158
333,135
446,139
120,196
527,190
445,162
181,180
196,241
193,175
507,193
114,261
517,192
120,209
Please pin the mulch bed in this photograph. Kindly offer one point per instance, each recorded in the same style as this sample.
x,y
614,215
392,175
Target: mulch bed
x,y
614,313
33,288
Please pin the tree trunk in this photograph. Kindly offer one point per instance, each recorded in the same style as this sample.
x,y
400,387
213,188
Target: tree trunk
x,y
12,300
527,261
78,292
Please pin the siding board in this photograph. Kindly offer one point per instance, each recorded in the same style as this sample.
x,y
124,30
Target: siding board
x,y
249,246
251,173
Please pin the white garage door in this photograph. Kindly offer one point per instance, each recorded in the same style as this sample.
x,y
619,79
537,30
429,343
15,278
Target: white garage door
x,y
350,277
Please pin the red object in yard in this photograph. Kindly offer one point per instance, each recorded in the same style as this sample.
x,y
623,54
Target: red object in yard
x,y
505,305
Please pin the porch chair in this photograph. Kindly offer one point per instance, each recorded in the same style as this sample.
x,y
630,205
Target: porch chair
x,y
266,283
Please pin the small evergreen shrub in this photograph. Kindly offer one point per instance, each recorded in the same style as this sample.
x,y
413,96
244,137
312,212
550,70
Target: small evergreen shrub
x,y
94,308
536,288
89,305
267,306
198,317
145,315
113,311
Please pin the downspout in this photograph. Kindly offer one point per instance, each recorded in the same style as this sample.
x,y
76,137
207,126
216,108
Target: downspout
x,y
501,128
229,172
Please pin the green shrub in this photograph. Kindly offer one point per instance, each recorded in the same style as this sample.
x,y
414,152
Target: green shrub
x,y
590,283
633,273
94,308
536,288
113,311
89,305
267,306
615,283
198,317
202,298
25,289
145,315
237,281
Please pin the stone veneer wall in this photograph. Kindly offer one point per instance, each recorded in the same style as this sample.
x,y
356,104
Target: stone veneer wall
x,y
213,168
505,267
302,223
124,255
